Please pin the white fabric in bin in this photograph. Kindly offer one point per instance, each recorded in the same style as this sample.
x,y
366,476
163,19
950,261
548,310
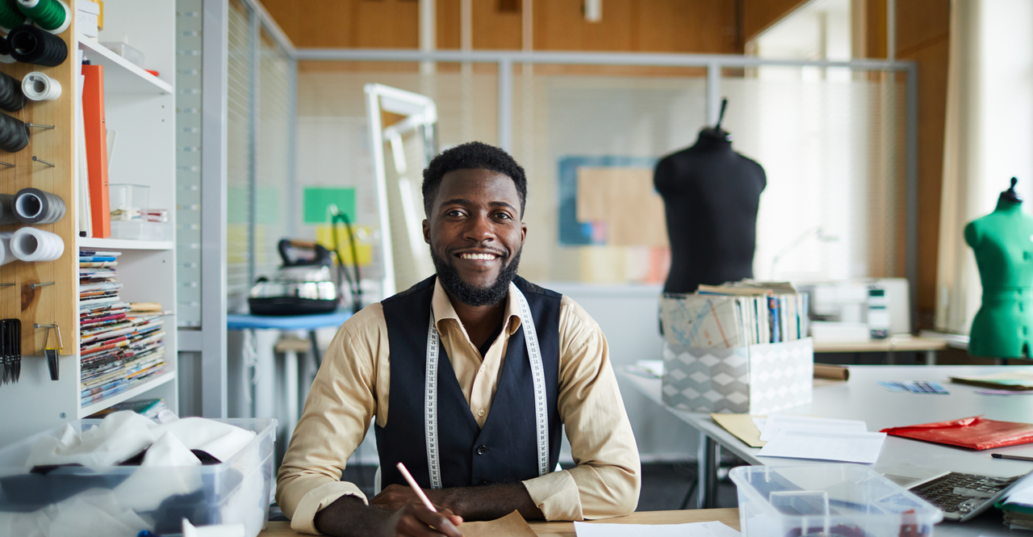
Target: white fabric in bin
x,y
88,514
120,436
153,482
220,440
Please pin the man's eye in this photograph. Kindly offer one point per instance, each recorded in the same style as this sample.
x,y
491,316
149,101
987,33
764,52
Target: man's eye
x,y
504,216
454,212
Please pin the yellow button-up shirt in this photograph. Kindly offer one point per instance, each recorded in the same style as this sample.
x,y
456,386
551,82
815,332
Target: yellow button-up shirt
x,y
353,384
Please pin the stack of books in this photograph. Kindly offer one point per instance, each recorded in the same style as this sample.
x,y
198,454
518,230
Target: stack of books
x,y
118,347
736,314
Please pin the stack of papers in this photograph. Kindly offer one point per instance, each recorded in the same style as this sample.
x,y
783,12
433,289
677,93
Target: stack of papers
x,y
797,437
1018,505
696,529
1012,380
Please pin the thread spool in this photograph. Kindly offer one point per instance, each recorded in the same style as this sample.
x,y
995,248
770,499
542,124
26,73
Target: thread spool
x,y
7,210
5,51
38,86
30,244
52,15
10,16
34,206
11,97
6,256
14,134
32,45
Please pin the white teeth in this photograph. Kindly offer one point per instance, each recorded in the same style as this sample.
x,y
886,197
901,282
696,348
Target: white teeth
x,y
486,257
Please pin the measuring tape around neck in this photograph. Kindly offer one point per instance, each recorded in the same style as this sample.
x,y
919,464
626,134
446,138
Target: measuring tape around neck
x,y
430,391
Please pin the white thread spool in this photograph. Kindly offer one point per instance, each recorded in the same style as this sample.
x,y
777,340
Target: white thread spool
x,y
31,244
38,86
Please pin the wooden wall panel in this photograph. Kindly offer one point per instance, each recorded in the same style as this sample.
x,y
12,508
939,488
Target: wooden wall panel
x,y
758,15
348,23
920,23
686,26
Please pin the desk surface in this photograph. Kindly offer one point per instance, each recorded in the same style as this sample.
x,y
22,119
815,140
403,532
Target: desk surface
x,y
729,517
861,398
890,344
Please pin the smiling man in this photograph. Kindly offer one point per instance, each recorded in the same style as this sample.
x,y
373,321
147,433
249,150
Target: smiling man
x,y
480,370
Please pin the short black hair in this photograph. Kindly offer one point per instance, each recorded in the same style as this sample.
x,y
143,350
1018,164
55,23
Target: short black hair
x,y
472,156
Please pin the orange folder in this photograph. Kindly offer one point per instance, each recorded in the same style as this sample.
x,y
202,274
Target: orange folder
x,y
96,149
976,432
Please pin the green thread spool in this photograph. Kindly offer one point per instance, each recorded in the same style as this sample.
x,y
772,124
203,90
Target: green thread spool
x,y
10,15
51,15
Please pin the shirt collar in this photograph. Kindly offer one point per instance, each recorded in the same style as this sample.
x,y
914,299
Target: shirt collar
x,y
443,310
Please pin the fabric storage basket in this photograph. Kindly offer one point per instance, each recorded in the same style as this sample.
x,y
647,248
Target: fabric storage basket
x,y
755,379
236,490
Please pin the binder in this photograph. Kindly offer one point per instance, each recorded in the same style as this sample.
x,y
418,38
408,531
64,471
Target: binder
x,y
96,149
976,433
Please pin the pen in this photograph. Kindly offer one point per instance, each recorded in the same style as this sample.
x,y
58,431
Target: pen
x,y
1011,457
416,488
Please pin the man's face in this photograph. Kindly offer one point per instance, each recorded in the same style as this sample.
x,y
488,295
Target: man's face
x,y
475,234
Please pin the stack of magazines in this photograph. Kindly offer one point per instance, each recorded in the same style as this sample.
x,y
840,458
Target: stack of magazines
x,y
118,346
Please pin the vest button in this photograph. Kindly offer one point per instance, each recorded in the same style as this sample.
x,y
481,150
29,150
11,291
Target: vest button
x,y
482,449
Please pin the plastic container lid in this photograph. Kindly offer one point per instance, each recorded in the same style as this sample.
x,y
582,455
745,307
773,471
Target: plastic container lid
x,y
833,500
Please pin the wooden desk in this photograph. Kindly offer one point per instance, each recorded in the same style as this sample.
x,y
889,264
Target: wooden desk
x,y
889,345
729,517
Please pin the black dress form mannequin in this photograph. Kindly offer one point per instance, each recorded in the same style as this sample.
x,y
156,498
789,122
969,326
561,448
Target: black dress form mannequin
x,y
711,195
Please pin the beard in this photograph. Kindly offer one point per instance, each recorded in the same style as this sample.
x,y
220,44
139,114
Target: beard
x,y
470,294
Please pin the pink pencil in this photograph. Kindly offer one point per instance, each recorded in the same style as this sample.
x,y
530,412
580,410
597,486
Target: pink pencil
x,y
415,487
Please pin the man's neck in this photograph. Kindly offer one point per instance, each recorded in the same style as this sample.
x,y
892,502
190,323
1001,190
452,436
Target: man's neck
x,y
481,322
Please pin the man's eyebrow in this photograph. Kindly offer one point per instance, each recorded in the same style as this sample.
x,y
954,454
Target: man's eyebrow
x,y
462,201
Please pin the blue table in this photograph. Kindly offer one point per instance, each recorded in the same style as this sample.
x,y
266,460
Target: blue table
x,y
291,377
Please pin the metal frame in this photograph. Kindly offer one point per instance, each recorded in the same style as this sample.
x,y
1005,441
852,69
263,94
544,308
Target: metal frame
x,y
421,111
713,64
214,105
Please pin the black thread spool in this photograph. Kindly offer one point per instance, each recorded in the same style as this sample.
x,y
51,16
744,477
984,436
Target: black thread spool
x,y
33,45
11,97
14,134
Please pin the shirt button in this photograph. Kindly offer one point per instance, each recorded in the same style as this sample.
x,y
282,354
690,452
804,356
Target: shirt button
x,y
482,449
484,368
480,412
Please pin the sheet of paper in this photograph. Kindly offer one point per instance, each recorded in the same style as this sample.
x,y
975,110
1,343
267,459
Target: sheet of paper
x,y
776,423
696,529
655,367
827,446
742,426
511,525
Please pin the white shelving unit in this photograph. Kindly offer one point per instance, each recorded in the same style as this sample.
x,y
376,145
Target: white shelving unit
x,y
140,108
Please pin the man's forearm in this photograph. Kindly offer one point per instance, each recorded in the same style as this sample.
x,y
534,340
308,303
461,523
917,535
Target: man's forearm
x,y
487,502
348,515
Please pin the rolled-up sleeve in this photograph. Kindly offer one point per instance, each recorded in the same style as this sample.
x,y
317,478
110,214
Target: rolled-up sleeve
x,y
338,410
606,481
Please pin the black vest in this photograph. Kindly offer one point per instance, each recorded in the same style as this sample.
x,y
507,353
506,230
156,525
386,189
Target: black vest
x,y
505,450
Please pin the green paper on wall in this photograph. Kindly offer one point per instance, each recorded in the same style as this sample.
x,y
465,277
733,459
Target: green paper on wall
x,y
318,199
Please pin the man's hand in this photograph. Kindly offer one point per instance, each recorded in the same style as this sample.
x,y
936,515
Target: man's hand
x,y
472,503
349,516
415,520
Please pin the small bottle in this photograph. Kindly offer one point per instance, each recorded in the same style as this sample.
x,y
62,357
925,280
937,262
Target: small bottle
x,y
878,313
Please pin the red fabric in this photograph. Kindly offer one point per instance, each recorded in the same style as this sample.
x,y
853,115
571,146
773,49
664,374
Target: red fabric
x,y
974,433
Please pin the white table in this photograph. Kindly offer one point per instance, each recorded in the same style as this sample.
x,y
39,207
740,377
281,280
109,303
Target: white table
x,y
862,399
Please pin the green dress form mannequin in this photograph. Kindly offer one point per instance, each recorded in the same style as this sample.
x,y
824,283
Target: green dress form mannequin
x,y
1003,244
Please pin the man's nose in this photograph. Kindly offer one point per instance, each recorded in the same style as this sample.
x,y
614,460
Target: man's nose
x,y
480,229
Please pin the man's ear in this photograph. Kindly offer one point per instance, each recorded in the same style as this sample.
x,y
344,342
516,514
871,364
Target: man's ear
x,y
523,232
426,230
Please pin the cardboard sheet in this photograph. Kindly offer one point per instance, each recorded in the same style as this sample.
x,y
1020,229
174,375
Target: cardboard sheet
x,y
742,426
511,525
623,198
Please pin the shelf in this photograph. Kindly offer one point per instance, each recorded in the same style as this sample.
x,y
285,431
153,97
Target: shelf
x,y
120,75
123,244
93,408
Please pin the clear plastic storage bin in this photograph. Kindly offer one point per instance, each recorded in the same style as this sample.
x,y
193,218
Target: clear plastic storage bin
x,y
828,500
234,491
